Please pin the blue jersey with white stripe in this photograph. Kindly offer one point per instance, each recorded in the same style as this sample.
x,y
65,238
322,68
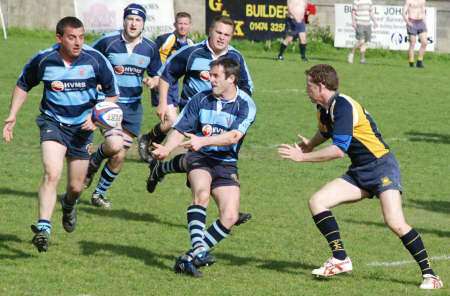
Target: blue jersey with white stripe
x,y
207,115
129,67
69,92
193,62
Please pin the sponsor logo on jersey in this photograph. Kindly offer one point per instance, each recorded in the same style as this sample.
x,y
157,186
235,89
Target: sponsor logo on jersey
x,y
127,70
207,130
57,86
119,70
204,75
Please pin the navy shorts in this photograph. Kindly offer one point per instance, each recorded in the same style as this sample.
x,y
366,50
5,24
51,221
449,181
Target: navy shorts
x,y
222,173
132,117
293,28
76,140
418,27
377,176
172,96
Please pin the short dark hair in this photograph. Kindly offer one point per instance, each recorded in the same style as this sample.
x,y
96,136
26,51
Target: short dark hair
x,y
68,21
324,74
230,67
222,19
182,14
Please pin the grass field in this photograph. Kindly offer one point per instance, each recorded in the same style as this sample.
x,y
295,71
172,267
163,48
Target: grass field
x,y
130,249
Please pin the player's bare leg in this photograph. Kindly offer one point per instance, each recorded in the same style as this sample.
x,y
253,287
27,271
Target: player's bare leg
x,y
423,46
412,44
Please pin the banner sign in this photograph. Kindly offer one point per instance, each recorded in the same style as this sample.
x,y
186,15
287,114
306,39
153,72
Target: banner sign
x,y
254,19
107,15
391,31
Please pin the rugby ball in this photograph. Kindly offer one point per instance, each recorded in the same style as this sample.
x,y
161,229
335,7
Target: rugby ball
x,y
107,115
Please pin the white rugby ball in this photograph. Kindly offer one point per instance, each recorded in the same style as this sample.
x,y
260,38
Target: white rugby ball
x,y
107,115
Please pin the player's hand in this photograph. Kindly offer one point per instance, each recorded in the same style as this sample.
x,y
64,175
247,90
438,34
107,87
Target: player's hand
x,y
88,125
292,152
99,87
304,144
161,111
150,82
8,128
193,143
160,152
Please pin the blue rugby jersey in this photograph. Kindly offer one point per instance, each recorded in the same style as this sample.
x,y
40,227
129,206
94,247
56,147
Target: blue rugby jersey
x,y
206,115
69,92
193,62
129,68
352,129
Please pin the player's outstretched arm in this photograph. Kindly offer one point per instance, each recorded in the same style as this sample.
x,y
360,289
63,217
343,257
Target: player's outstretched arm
x,y
173,140
295,153
163,88
19,97
195,143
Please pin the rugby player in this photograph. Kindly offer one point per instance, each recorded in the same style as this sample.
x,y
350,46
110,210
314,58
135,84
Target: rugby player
x,y
362,14
295,26
70,72
214,122
131,55
374,171
167,44
414,15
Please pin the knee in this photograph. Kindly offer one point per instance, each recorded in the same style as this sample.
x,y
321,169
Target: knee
x,y
114,145
228,219
315,203
201,198
398,226
75,188
119,157
52,177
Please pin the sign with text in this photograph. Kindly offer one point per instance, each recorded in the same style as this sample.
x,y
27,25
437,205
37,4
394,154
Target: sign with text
x,y
391,30
254,19
107,15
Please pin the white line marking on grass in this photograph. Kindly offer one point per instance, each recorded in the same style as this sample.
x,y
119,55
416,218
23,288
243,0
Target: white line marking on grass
x,y
405,262
278,90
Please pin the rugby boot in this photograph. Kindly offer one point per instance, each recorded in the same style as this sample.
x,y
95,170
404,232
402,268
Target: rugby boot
x,y
333,267
154,176
184,264
243,218
143,145
40,239
202,258
100,201
431,282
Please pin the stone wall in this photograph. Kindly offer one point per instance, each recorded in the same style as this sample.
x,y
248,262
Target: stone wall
x,y
45,14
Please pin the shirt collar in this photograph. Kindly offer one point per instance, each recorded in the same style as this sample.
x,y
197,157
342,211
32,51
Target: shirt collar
x,y
228,101
125,40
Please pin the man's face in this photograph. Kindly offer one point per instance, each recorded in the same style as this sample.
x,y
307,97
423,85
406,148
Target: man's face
x,y
312,89
133,25
219,83
220,36
183,26
71,41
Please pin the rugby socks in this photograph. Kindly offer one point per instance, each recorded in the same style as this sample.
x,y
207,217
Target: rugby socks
x,y
413,243
282,49
98,156
175,165
215,233
196,219
156,134
44,225
106,179
302,50
328,226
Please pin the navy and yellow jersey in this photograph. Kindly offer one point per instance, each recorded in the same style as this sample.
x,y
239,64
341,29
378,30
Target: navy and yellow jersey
x,y
168,44
352,129
69,91
206,115
129,67
193,62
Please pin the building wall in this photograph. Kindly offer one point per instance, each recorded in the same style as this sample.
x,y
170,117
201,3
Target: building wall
x,y
45,14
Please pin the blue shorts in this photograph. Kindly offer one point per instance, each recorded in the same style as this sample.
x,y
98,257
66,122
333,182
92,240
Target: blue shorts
x,y
418,27
73,137
222,173
377,176
172,96
293,28
132,117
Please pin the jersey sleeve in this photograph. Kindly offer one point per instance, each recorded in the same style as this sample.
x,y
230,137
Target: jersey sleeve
x,y
245,82
343,124
100,45
155,62
175,67
245,117
187,121
31,74
106,77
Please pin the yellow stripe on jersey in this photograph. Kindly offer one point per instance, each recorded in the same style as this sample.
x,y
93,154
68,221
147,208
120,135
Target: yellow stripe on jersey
x,y
166,49
362,130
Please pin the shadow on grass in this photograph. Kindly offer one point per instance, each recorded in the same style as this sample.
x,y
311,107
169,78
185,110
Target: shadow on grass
x,y
148,257
393,279
5,239
415,136
440,233
438,206
19,193
128,215
291,267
